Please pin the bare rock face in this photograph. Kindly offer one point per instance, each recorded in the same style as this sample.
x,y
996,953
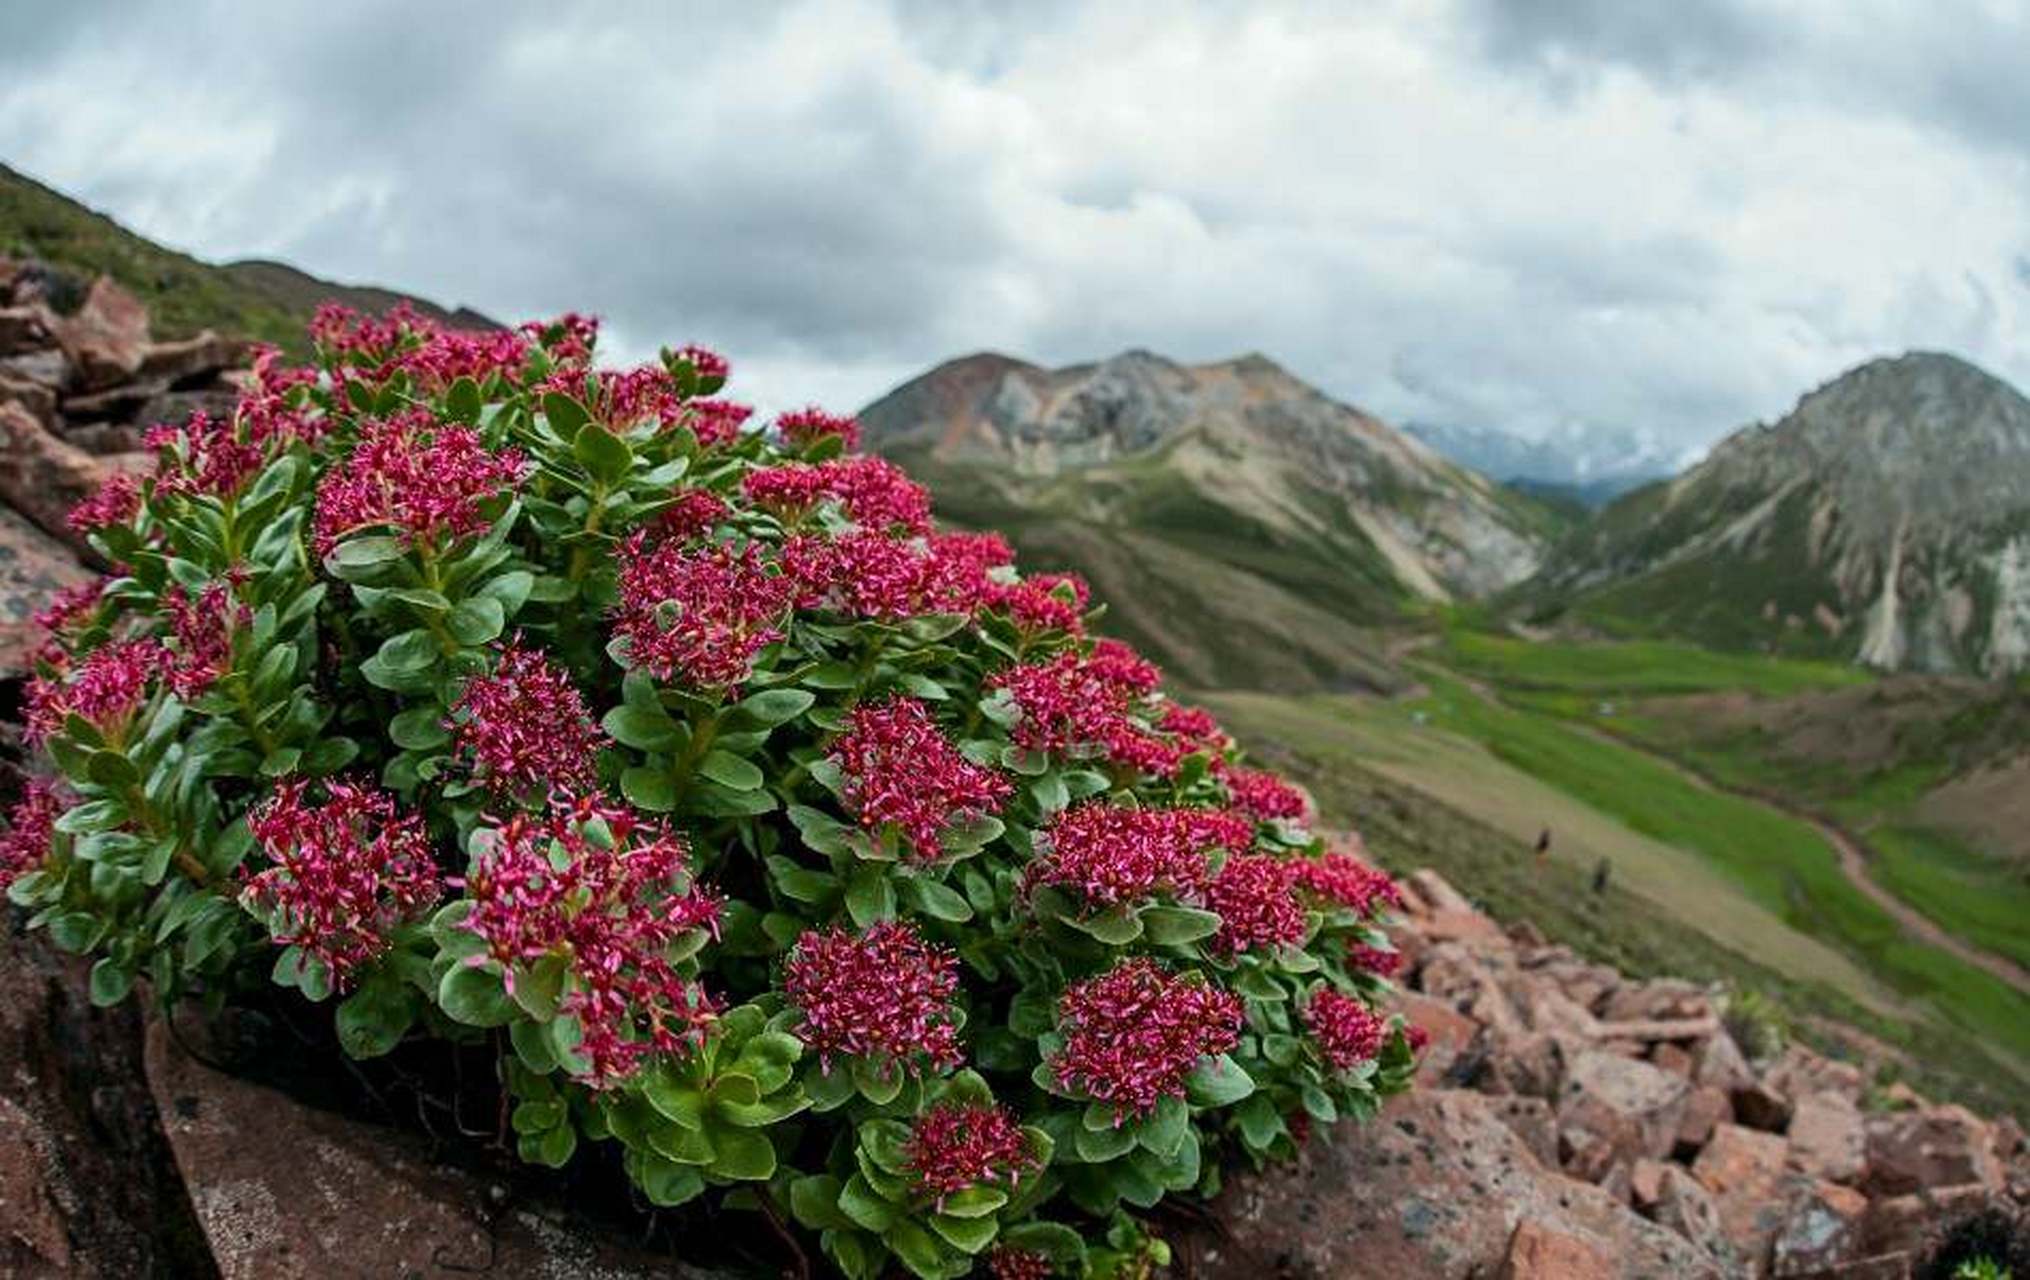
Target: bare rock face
x,y
286,1193
1828,1138
1632,1106
1537,1252
1945,1146
34,567
1435,1187
107,337
1822,1231
43,476
1743,1170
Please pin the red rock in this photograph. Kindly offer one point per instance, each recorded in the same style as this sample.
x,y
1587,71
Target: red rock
x,y
105,339
1469,927
1827,1138
1434,892
1451,1032
42,476
1761,1107
1674,1058
1743,1169
1433,1189
281,1192
38,400
1704,1108
1946,1146
119,403
1800,1071
1629,1103
175,407
1683,1205
1536,1252
25,328
1530,1064
1663,999
1719,1063
1822,1230
1898,1224
34,568
1530,1119
50,369
188,358
1645,1182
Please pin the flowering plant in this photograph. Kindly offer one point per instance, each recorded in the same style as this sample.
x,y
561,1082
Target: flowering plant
x,y
784,846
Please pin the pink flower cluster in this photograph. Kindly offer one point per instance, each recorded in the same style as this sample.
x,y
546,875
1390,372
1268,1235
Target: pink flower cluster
x,y
1346,1031
1109,853
525,726
1344,880
876,494
1257,907
105,689
698,615
1077,704
72,605
716,422
114,502
883,996
801,428
422,478
1382,962
956,1145
1134,1033
404,341
203,625
900,769
205,455
611,912
30,828
345,872
694,513
1262,795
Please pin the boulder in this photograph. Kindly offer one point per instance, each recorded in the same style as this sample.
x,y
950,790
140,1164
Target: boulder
x,y
189,358
1744,1171
1537,1252
175,407
282,1192
49,369
1705,1108
1828,1138
1531,1120
1434,1187
1719,1062
1526,1063
1674,1058
1902,1224
1663,999
1632,1105
1759,1106
34,568
38,400
1800,1071
1683,1205
117,403
1645,1183
42,476
1821,1231
107,336
1451,1033
25,328
1944,1146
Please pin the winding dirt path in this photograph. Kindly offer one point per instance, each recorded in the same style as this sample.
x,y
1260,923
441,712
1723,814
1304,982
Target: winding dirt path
x,y
1853,861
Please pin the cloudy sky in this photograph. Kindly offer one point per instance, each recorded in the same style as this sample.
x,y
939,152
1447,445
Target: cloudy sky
x,y
1508,213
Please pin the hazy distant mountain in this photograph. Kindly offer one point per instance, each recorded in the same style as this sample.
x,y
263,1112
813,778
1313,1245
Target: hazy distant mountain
x,y
1886,518
1243,524
1582,462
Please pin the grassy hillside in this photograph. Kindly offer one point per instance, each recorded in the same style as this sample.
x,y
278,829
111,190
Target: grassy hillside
x,y
266,301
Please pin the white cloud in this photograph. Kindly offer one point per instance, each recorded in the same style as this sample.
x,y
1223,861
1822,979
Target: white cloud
x,y
1497,214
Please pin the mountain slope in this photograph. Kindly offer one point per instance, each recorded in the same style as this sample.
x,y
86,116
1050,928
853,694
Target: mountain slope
x,y
262,300
1254,524
1886,519
1594,464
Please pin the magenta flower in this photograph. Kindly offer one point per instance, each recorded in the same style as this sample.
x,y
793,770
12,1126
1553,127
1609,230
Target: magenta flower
x,y
1006,1262
205,455
956,1145
105,689
203,626
1382,962
525,726
787,492
804,427
345,873
883,996
1254,897
611,913
31,826
1344,880
1346,1031
1086,705
115,502
1134,1033
693,514
900,769
72,605
418,477
404,341
1108,854
697,615
716,422
877,494
1260,794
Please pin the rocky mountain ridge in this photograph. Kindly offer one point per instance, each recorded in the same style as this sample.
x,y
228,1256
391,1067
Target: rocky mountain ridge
x,y
1594,463
1247,516
1885,519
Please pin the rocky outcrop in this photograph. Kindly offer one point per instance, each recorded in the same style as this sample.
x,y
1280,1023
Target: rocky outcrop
x,y
77,389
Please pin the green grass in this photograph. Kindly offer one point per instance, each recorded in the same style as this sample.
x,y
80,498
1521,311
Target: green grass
x,y
1985,902
1633,668
1781,863
1339,748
